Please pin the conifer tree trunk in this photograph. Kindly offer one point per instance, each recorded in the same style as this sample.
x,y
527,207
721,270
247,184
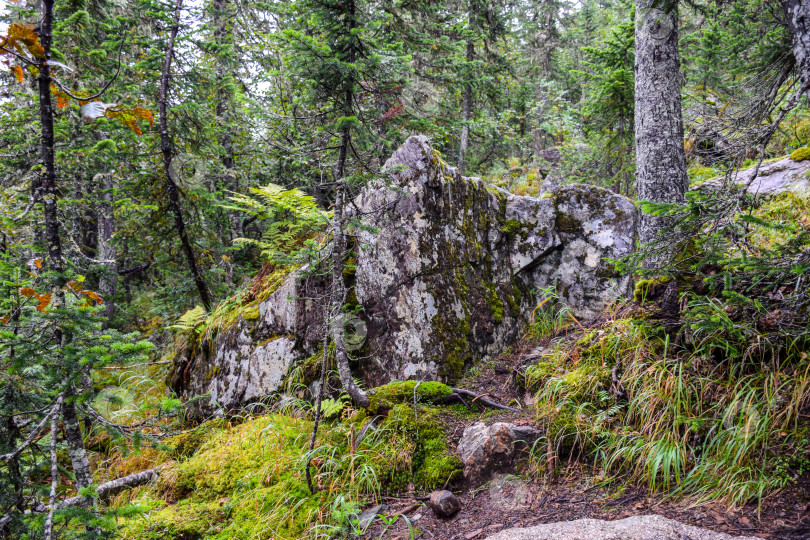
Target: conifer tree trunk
x,y
76,449
223,37
797,14
339,233
166,148
467,112
660,157
108,283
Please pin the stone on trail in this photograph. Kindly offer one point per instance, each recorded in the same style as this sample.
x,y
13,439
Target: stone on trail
x,y
485,450
651,527
446,272
444,503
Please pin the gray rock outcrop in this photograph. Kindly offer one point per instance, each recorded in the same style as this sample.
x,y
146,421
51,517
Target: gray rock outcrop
x,y
773,178
447,270
650,527
485,450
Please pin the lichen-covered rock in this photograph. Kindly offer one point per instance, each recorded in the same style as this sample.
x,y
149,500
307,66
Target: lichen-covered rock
x,y
485,450
446,272
791,173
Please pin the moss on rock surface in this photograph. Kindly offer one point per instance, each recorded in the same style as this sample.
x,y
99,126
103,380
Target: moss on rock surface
x,y
445,275
801,154
384,398
431,465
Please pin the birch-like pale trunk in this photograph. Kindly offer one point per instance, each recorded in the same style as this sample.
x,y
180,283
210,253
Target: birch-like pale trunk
x,y
464,144
797,15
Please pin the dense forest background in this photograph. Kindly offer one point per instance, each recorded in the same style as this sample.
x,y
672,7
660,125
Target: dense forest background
x,y
164,162
247,106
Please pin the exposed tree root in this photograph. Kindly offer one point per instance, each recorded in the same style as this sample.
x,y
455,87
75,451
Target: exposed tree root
x,y
478,399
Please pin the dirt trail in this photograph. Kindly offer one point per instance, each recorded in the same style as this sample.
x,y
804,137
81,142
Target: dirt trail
x,y
520,500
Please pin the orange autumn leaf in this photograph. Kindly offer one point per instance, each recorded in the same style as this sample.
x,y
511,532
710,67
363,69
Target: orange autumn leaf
x,y
62,100
38,263
23,34
75,286
27,292
44,300
130,117
4,320
91,295
144,114
18,72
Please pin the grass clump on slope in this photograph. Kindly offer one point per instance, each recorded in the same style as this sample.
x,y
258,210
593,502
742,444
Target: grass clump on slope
x,y
695,419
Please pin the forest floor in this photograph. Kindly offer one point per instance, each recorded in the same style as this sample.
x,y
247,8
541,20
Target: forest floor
x,y
520,500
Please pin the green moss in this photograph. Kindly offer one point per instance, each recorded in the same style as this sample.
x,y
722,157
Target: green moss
x,y
801,154
244,482
385,397
567,224
513,227
644,286
431,464
495,302
513,299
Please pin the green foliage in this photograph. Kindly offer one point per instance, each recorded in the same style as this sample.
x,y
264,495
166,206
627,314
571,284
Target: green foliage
x,y
293,222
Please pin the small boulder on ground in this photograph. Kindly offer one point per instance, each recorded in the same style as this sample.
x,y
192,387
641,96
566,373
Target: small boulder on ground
x,y
485,450
444,503
651,527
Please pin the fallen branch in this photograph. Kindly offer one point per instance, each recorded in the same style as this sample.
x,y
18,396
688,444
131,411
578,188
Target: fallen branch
x,y
478,398
108,489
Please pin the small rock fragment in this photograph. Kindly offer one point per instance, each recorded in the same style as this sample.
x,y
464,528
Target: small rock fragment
x,y
368,515
444,503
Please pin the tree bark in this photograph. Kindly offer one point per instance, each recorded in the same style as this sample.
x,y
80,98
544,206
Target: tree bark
x,y
78,454
108,282
660,157
50,193
166,148
223,37
467,112
48,533
797,14
107,489
75,442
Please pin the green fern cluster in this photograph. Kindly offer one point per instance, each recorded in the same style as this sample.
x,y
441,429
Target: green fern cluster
x,y
291,218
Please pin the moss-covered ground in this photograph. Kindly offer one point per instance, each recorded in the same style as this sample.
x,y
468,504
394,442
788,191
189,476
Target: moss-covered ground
x,y
248,481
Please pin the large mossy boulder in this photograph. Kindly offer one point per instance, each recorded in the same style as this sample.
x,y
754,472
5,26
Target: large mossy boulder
x,y
446,272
